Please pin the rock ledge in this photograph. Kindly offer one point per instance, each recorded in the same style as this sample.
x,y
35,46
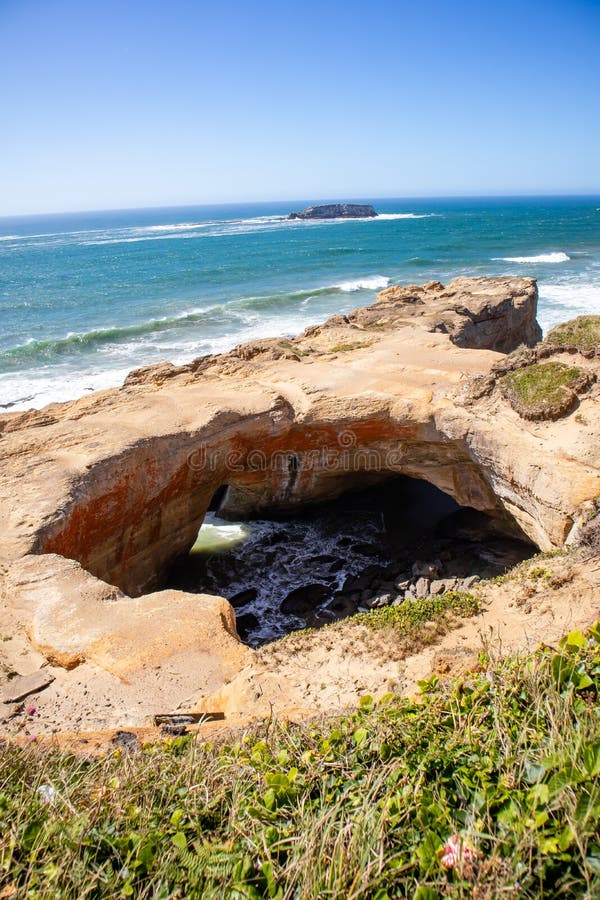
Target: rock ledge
x,y
99,496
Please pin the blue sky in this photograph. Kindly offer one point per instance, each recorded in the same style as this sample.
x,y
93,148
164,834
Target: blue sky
x,y
126,104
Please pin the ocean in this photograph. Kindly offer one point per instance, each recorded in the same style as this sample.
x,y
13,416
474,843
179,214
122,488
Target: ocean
x,y
86,297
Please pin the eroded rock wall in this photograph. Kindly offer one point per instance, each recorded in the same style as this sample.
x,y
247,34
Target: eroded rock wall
x,y
120,481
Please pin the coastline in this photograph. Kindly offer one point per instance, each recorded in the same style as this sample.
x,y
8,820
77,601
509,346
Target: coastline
x,y
89,297
115,486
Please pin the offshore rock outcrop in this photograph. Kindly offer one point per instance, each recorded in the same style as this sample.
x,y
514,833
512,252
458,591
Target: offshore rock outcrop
x,y
99,496
336,211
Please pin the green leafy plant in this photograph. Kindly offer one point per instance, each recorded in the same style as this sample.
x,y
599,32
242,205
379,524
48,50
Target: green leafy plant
x,y
485,786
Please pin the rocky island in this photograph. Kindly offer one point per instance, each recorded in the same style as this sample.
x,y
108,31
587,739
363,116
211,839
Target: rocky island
x,y
336,211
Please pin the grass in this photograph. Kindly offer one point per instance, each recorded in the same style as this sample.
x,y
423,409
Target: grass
x,y
582,333
288,345
409,616
530,568
485,787
345,348
544,390
398,630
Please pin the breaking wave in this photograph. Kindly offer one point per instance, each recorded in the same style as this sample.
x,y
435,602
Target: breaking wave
x,y
227,316
540,258
96,237
373,283
381,216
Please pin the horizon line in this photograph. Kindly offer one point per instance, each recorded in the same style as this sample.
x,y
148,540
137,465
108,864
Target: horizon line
x,y
322,200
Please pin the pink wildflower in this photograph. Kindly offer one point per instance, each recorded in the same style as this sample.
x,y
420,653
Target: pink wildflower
x,y
31,710
458,855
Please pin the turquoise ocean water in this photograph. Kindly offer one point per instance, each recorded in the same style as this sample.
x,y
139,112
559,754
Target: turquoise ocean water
x,y
86,297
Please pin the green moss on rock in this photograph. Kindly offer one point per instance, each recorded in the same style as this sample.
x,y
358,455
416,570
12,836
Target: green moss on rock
x,y
581,334
545,390
352,345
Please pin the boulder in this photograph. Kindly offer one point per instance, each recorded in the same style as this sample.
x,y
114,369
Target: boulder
x,y
380,601
438,586
23,685
343,605
422,588
470,582
422,569
361,583
403,584
243,597
305,599
245,624
72,618
323,566
450,584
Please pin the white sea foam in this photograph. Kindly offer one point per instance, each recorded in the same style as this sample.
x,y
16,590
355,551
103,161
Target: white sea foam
x,y
190,230
9,237
50,234
378,218
180,226
559,302
404,216
218,534
35,389
582,295
371,283
185,231
259,220
540,258
138,239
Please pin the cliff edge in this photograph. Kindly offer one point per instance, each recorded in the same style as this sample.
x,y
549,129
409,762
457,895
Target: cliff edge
x,y
99,496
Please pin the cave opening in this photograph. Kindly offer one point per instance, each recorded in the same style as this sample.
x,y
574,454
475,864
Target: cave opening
x,y
388,543
218,498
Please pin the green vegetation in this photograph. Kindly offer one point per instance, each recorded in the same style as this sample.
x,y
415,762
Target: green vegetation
x,y
293,348
582,333
487,787
344,348
410,616
530,570
409,626
544,390
542,382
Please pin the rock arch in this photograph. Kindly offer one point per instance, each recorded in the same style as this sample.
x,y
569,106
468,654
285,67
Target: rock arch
x,y
115,486
128,526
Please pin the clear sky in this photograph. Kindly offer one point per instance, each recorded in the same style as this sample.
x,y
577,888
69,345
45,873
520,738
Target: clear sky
x,y
124,103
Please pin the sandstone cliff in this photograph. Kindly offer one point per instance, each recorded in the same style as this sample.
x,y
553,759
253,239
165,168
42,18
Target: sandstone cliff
x,y
99,496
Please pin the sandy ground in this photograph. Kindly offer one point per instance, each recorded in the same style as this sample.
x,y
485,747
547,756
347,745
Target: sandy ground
x,y
332,668
314,673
